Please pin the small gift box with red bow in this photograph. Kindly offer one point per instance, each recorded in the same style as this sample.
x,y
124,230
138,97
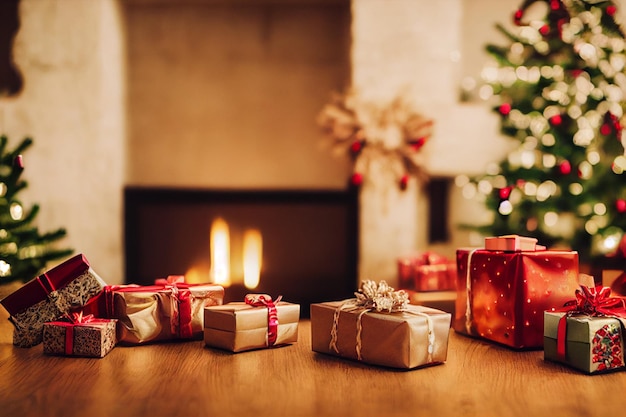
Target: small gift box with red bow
x,y
504,288
49,296
79,336
426,271
588,333
258,322
171,309
380,327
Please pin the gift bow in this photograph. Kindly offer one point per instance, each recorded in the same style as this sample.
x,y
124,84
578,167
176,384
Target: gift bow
x,y
380,298
591,301
264,300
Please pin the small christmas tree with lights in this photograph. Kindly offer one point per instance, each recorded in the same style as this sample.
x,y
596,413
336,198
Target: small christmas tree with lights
x,y
560,90
24,252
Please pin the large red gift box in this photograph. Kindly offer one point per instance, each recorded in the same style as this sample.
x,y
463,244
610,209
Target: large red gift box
x,y
502,295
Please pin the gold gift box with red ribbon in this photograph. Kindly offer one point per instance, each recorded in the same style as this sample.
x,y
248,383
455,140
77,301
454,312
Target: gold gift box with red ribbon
x,y
80,336
502,294
169,310
258,322
588,333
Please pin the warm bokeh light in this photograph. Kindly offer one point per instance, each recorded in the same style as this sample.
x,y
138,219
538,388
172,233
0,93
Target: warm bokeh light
x,y
252,258
220,252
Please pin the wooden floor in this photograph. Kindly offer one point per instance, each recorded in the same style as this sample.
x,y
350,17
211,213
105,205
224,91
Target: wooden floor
x,y
187,379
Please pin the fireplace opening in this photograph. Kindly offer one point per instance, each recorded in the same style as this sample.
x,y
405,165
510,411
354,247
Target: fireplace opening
x,y
302,245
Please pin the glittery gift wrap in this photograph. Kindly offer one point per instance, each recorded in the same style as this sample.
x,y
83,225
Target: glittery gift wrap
x,y
92,339
49,296
592,344
409,339
239,327
501,296
159,312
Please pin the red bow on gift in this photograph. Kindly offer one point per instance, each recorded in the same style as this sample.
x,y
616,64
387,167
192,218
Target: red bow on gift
x,y
596,302
591,301
263,300
79,318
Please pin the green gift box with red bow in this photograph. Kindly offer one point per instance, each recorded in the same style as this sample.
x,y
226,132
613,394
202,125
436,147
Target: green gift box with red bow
x,y
588,333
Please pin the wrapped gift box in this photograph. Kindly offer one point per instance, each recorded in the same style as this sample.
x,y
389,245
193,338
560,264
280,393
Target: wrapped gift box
x,y
248,325
405,337
49,296
588,332
84,337
164,311
501,295
426,271
592,344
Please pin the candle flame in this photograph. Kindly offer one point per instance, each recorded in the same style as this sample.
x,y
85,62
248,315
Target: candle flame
x,y
220,252
252,258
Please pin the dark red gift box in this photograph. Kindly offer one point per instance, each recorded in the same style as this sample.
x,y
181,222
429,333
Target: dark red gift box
x,y
502,295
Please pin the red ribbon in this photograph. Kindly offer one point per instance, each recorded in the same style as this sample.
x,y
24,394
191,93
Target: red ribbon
x,y
74,320
593,302
263,300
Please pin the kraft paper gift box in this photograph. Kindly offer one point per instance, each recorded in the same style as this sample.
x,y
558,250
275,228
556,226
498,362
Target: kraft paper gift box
x,y
172,310
379,327
49,296
256,323
501,295
589,336
81,336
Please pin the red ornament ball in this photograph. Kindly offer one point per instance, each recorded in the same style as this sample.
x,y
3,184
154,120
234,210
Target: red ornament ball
x,y
605,129
517,17
556,120
416,144
356,179
544,30
565,167
555,4
404,182
505,192
620,205
356,146
611,9
505,109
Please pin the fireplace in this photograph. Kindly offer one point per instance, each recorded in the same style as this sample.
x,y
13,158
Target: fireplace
x,y
309,240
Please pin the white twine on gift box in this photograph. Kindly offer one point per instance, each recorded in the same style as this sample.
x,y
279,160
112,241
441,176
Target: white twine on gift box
x,y
468,293
383,299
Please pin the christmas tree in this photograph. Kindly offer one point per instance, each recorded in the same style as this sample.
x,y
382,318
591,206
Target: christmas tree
x,y
24,252
559,87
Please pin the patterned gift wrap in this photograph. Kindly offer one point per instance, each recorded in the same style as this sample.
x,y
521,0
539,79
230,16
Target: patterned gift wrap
x,y
501,295
258,322
172,310
90,338
49,296
379,327
589,335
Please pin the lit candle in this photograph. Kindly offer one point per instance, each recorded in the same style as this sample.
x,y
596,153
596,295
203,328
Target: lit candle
x,y
252,258
220,252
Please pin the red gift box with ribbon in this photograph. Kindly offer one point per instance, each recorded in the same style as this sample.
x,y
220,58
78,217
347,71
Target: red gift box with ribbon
x,y
426,271
49,296
171,309
80,336
258,322
502,294
588,332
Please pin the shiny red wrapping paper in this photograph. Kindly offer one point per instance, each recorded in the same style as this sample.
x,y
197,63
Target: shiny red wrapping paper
x,y
502,296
